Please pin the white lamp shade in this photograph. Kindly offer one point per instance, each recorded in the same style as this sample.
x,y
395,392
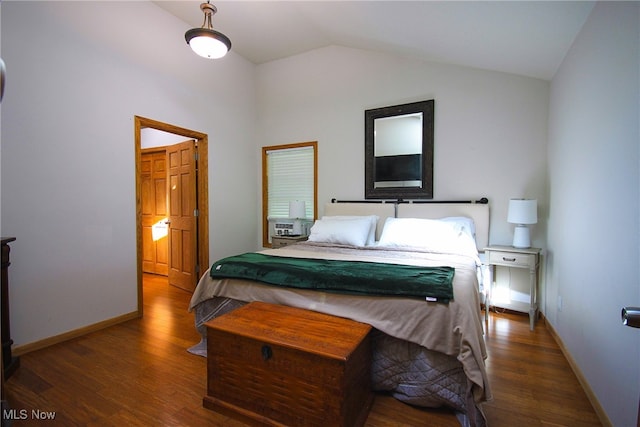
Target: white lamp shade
x,y
297,210
523,211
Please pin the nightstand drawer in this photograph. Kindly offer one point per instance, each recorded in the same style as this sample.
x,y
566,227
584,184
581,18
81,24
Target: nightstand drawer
x,y
278,243
282,241
512,258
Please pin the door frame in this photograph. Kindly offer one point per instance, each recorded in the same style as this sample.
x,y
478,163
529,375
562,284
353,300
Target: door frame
x,y
202,179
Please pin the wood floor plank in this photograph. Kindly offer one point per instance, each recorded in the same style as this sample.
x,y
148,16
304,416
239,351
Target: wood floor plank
x,y
139,373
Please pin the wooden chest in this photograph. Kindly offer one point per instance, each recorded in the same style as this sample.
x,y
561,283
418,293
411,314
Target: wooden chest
x,y
277,365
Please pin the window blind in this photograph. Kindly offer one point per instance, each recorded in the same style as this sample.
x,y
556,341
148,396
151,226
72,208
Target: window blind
x,y
290,177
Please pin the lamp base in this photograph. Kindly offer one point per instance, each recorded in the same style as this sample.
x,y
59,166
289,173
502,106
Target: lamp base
x,y
297,226
521,238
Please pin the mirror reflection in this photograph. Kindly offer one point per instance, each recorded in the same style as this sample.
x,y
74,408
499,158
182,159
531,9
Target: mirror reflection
x,y
398,151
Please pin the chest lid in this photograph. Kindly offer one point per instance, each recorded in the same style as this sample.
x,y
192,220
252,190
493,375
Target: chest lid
x,y
305,330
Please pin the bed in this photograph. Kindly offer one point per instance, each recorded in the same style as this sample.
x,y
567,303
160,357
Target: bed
x,y
428,350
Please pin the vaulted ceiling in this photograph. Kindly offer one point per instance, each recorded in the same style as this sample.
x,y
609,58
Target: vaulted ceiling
x,y
523,37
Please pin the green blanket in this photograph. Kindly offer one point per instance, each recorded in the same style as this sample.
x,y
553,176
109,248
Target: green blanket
x,y
352,277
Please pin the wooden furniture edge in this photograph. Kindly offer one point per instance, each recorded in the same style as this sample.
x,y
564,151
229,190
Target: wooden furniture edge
x,y
66,336
602,415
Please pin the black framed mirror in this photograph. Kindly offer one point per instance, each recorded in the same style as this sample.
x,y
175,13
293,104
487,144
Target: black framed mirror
x,y
399,151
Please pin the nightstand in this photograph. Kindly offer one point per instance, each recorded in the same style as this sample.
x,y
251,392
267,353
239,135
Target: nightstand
x,y
508,256
282,241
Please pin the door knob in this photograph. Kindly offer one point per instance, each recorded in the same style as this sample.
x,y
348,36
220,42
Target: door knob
x,y
631,316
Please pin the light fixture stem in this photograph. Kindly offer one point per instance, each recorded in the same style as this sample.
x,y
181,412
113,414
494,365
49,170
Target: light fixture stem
x,y
209,10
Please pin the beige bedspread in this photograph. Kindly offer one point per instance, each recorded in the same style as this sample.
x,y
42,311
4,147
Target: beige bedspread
x,y
454,329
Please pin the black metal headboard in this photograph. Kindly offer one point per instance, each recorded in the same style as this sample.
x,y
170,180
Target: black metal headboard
x,y
482,201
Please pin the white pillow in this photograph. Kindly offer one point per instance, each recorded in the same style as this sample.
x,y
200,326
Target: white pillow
x,y
426,234
465,224
415,232
352,232
371,237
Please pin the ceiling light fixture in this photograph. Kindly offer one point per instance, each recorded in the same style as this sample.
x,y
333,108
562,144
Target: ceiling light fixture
x,y
205,41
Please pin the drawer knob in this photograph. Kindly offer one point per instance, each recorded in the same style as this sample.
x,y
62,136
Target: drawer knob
x,y
504,258
631,316
266,352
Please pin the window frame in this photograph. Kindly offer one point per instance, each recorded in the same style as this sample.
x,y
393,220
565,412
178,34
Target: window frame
x,y
265,183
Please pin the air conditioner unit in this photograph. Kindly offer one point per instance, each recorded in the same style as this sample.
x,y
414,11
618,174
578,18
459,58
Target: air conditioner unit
x,y
283,228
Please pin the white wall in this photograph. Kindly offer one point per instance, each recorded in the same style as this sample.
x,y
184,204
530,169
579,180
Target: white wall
x,y
150,138
80,71
490,127
593,235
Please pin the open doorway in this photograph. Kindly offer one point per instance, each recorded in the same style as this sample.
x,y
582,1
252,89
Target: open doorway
x,y
198,257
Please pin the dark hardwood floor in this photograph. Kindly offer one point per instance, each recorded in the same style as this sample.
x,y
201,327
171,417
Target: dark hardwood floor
x,y
139,373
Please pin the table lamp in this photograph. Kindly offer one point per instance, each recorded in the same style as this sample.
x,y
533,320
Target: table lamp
x,y
522,212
